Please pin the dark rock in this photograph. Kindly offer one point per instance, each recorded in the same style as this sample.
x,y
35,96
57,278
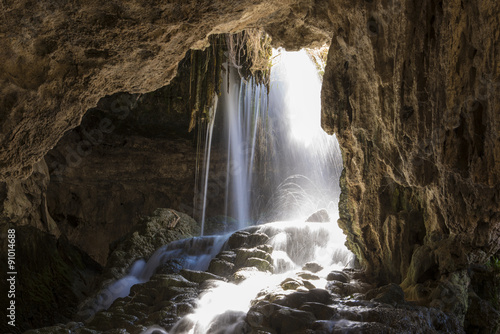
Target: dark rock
x,y
338,276
481,315
54,277
297,299
146,237
172,266
289,320
238,239
290,284
312,267
320,311
389,294
221,267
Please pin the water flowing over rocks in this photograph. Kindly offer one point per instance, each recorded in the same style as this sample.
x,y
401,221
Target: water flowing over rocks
x,y
411,90
164,226
338,301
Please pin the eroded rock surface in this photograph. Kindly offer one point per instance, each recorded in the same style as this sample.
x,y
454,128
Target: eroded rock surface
x,y
412,92
68,56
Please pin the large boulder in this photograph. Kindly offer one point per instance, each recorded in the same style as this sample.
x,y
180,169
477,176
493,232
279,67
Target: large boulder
x,y
151,233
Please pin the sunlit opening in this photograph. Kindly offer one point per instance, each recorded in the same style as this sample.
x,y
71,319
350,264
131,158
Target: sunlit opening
x,y
302,99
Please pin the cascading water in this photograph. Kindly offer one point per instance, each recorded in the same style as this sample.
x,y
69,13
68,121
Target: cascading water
x,y
280,164
280,167
306,163
276,144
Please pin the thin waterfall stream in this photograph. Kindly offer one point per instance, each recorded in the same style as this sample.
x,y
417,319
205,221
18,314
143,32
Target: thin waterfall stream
x,y
276,169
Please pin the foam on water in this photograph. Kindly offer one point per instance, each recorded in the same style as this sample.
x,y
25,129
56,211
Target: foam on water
x,y
193,253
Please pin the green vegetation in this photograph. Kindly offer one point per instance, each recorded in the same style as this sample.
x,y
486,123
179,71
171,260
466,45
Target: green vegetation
x,y
493,263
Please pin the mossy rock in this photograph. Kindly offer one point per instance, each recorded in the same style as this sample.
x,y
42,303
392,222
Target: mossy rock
x,y
151,233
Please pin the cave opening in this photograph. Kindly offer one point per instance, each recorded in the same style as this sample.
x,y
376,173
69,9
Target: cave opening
x,y
263,166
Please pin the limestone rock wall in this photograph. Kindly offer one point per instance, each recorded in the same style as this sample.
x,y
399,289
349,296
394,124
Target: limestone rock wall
x,y
24,202
59,59
412,90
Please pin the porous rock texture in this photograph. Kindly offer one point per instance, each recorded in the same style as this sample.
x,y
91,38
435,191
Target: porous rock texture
x,y
412,92
59,58
410,88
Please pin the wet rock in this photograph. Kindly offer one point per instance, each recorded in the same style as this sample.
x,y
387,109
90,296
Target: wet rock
x,y
289,320
342,326
389,294
260,264
173,280
256,239
238,239
341,289
312,267
210,284
308,285
308,276
243,254
172,266
320,311
229,322
150,234
266,248
104,321
221,267
243,273
50,330
320,216
297,299
290,284
228,256
338,276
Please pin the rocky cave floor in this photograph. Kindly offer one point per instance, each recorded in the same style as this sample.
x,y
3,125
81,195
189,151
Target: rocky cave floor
x,y
301,303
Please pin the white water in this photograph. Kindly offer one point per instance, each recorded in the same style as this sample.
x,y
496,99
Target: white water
x,y
304,168
281,166
223,309
193,253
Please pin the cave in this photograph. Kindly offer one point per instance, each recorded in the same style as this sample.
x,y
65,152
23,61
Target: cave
x,y
103,118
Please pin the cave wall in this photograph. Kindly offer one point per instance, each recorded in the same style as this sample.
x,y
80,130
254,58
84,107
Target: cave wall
x,y
60,58
412,91
130,155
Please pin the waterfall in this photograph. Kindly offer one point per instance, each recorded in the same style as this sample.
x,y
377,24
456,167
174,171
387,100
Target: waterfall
x,y
267,160
280,164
